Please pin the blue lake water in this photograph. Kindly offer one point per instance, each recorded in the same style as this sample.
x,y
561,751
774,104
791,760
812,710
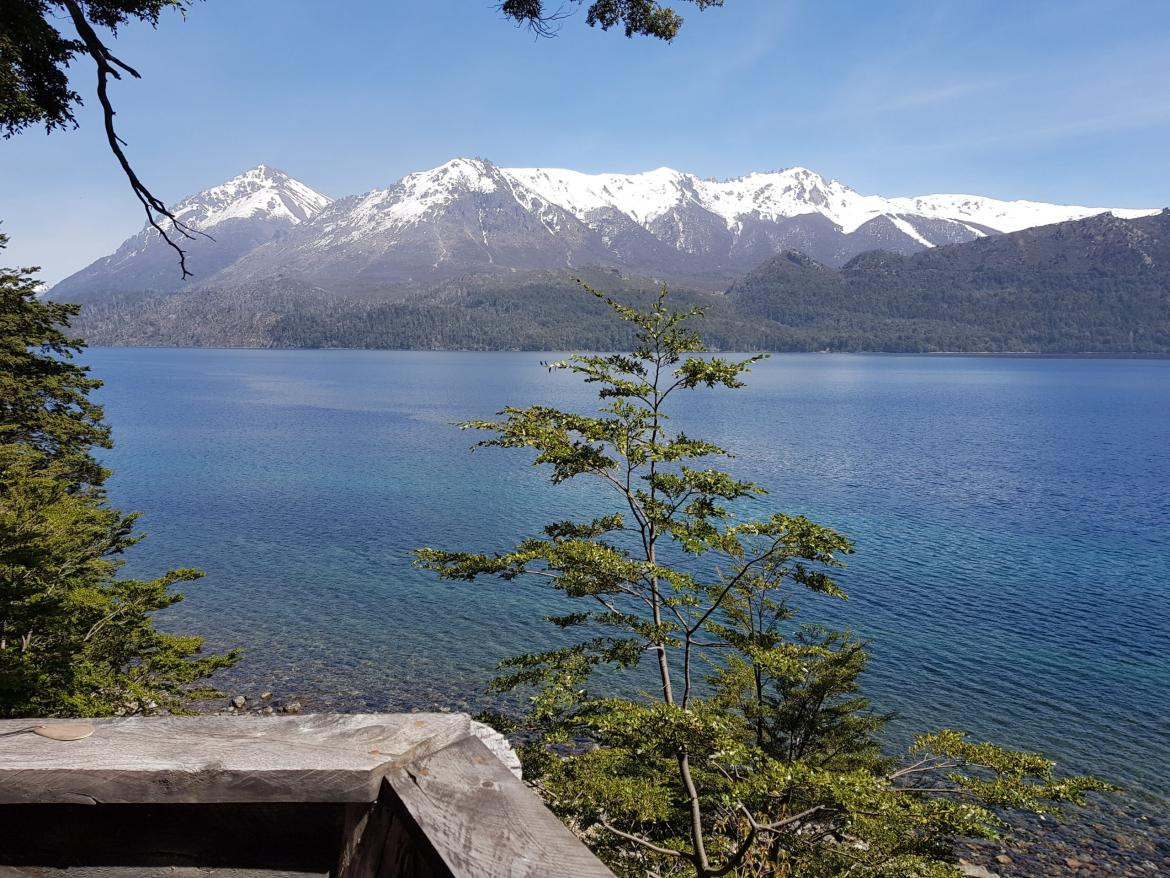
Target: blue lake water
x,y
1011,519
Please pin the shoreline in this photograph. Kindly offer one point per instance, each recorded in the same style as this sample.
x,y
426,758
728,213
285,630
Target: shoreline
x,y
1006,355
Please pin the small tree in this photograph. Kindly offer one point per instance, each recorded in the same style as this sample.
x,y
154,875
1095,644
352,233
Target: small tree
x,y
754,755
74,638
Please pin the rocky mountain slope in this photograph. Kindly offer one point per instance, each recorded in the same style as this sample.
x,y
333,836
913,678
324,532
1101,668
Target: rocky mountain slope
x,y
469,216
1100,284
238,216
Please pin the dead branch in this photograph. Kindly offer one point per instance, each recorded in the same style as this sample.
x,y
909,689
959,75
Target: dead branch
x,y
109,66
637,839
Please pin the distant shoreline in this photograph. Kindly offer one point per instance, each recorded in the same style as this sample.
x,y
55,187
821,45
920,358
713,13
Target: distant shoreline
x,y
1006,355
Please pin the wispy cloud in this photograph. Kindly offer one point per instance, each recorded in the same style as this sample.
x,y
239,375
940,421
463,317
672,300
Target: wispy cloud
x,y
915,99
1118,93
764,33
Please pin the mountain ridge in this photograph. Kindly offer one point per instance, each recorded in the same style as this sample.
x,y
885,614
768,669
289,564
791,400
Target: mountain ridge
x,y
1099,285
1096,285
470,215
230,220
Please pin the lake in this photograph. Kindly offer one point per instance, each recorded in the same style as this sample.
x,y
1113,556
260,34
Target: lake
x,y
1011,519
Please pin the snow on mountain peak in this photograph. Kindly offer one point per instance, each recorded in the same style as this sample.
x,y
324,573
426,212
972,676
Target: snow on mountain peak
x,y
443,182
770,195
256,205
642,197
468,213
412,198
767,196
1003,216
266,193
776,195
259,191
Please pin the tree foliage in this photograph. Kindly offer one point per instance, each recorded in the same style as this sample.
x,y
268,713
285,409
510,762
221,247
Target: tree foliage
x,y
1100,284
44,403
754,754
35,55
635,17
35,88
75,639
883,302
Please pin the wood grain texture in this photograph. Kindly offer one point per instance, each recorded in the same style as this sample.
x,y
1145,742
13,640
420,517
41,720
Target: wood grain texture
x,y
366,796
479,821
312,758
384,846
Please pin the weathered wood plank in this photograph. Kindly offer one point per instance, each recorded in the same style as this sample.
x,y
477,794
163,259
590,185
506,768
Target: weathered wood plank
x,y
311,758
383,846
475,819
195,796
356,819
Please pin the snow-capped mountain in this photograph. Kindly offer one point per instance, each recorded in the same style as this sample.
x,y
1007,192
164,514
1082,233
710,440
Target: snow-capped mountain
x,y
744,205
262,191
239,215
469,216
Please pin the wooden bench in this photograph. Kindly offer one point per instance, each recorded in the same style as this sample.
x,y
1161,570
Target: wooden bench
x,y
346,795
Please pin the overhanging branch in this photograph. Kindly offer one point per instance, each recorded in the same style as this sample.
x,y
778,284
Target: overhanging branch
x,y
108,66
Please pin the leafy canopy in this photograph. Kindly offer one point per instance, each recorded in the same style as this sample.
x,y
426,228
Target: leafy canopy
x,y
754,753
75,639
35,55
636,17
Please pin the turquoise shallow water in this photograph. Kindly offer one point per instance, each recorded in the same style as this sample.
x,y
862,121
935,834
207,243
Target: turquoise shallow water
x,y
1011,516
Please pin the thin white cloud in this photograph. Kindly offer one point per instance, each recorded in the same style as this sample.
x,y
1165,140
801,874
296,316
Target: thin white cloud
x,y
921,98
764,34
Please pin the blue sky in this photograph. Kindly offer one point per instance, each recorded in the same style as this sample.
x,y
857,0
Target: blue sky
x,y
1064,101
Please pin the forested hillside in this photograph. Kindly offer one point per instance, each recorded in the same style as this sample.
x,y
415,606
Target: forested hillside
x,y
1096,285
1100,284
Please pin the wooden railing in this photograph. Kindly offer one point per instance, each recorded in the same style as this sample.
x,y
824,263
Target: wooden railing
x,y
346,795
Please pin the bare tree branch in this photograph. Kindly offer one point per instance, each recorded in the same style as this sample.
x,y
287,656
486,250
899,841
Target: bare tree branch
x,y
780,824
108,66
736,858
637,839
531,15
925,764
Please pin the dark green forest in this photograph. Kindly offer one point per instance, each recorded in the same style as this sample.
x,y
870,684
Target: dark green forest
x,y
1096,285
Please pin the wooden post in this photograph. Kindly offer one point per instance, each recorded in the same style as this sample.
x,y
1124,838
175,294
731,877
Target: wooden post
x,y
459,813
